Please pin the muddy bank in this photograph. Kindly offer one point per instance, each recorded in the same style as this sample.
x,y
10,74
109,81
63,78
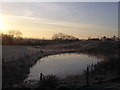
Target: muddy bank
x,y
15,72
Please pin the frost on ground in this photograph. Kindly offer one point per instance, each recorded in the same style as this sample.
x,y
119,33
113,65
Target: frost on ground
x,y
14,52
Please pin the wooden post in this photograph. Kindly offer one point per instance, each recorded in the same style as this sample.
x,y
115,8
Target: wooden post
x,y
41,76
87,80
41,80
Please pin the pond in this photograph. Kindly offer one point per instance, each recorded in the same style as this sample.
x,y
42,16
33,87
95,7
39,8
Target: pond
x,y
61,65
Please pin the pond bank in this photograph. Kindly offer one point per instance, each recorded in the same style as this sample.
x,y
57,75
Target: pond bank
x,y
15,72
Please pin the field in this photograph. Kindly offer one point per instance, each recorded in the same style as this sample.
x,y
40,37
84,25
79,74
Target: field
x,y
15,52
23,57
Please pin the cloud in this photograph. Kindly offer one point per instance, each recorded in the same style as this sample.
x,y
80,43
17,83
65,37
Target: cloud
x,y
58,23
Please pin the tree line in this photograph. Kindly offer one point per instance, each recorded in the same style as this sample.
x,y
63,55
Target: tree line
x,y
14,37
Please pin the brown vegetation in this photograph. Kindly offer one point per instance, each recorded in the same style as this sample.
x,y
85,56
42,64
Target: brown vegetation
x,y
15,71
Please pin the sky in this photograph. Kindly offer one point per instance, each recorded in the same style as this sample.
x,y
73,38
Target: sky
x,y
60,0
80,19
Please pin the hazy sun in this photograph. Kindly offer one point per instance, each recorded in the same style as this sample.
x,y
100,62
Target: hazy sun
x,y
2,26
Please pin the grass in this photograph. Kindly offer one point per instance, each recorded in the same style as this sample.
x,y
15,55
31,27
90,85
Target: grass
x,y
14,72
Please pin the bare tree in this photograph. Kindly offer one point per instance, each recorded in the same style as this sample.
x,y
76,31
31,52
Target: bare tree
x,y
11,32
15,33
18,34
61,36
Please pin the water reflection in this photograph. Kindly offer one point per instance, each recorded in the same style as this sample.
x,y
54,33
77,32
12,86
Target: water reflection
x,y
61,65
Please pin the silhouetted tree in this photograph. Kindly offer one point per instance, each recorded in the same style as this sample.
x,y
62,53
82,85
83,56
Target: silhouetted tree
x,y
7,39
61,36
16,34
12,38
104,38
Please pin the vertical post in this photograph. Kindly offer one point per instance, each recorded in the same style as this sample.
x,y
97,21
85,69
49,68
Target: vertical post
x,y
87,80
41,80
41,76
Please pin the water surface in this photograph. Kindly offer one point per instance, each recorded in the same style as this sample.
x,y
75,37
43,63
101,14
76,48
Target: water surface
x,y
61,65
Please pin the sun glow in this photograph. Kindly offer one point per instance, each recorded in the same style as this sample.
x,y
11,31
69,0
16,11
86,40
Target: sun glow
x,y
2,25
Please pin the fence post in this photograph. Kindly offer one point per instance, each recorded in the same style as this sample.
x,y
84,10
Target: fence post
x,y
41,76
87,80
